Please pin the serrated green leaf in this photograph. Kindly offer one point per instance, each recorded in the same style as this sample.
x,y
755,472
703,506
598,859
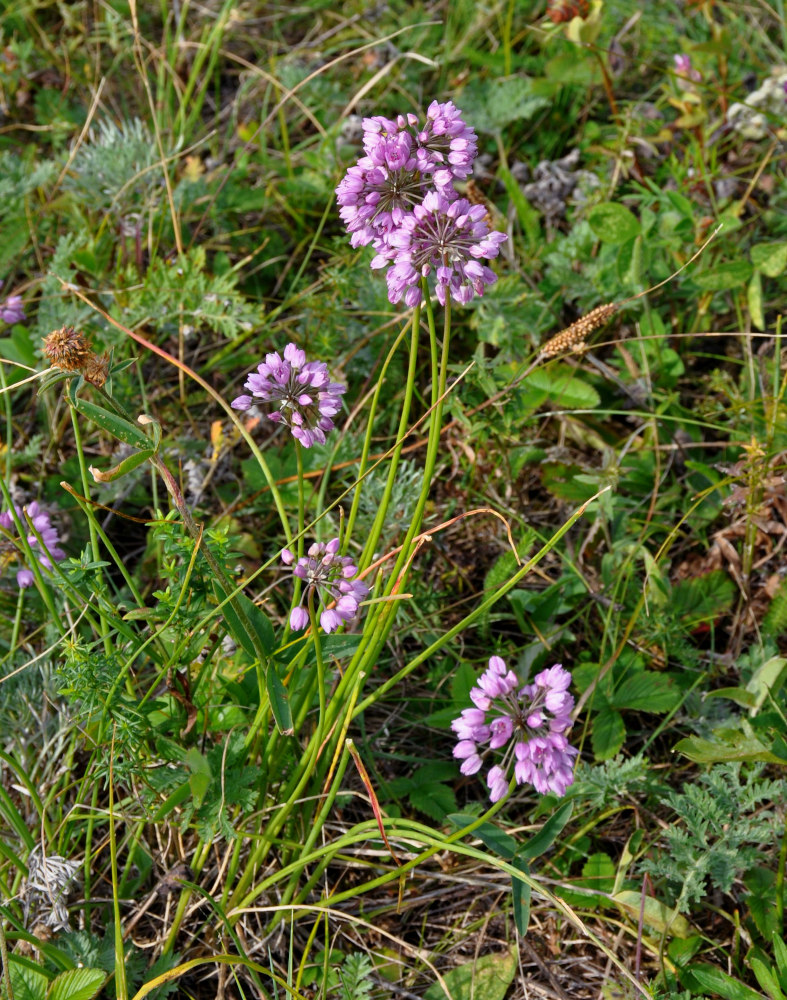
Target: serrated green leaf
x,y
598,873
608,734
682,950
488,978
77,984
646,692
720,277
770,258
494,103
565,482
27,982
613,223
435,800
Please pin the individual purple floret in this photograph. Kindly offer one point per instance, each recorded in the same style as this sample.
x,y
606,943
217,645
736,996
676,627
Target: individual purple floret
x,y
323,570
530,722
12,310
449,238
306,398
10,552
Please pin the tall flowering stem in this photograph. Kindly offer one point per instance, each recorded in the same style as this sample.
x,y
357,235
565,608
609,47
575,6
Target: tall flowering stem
x,y
94,547
374,535
382,615
320,669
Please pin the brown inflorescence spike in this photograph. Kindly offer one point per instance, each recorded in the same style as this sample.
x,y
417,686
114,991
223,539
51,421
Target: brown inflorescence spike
x,y
575,334
67,349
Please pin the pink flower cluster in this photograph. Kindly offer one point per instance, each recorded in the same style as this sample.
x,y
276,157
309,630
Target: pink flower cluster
x,y
530,722
323,570
306,399
400,197
10,551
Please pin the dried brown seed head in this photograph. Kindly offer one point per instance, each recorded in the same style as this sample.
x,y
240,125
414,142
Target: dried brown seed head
x,y
66,348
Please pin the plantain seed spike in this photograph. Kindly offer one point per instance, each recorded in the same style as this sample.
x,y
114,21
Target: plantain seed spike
x,y
579,330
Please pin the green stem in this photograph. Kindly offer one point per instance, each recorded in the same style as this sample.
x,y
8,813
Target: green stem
x,y
91,526
384,617
320,667
367,441
780,882
316,829
200,856
86,878
20,600
290,798
374,535
121,989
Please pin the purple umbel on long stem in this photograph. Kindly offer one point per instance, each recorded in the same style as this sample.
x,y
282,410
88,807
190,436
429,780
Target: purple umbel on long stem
x,y
330,575
306,400
530,722
447,238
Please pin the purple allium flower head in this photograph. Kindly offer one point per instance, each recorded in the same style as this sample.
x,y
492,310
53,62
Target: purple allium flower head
x,y
376,194
306,398
322,569
12,310
404,160
530,722
449,238
10,551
